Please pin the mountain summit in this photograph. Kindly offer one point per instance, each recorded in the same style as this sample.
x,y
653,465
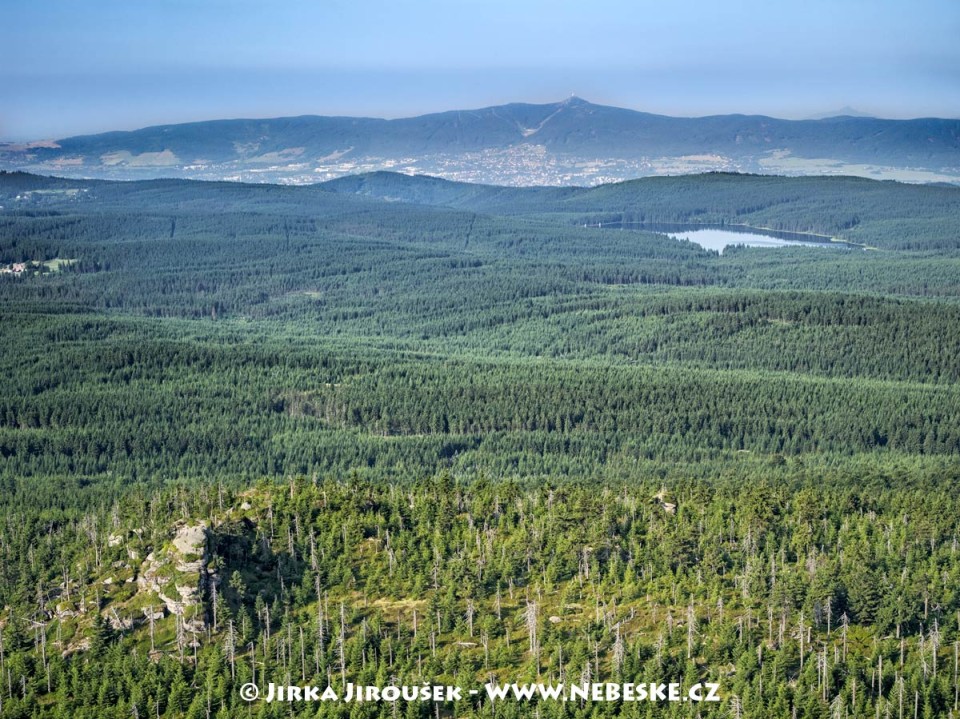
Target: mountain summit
x,y
845,111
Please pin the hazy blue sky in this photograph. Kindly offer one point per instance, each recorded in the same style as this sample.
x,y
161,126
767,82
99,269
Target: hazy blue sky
x,y
69,66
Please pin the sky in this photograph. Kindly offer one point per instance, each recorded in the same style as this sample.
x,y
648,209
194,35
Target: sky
x,y
80,66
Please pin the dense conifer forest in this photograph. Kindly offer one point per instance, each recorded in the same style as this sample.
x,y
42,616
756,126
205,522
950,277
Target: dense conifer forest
x,y
391,430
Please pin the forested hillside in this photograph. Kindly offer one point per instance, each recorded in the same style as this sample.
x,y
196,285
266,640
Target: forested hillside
x,y
876,214
798,598
396,430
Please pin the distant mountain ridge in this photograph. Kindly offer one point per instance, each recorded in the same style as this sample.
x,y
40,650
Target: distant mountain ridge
x,y
569,142
845,111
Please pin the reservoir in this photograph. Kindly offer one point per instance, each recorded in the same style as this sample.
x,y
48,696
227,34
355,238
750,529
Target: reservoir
x,y
718,237
711,239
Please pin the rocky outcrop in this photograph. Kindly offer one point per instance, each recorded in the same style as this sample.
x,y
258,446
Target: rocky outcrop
x,y
177,574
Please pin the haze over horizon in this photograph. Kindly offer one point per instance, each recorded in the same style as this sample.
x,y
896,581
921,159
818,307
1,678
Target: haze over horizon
x,y
77,69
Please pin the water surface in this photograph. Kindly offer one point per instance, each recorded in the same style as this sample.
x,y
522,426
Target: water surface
x,y
718,240
718,237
